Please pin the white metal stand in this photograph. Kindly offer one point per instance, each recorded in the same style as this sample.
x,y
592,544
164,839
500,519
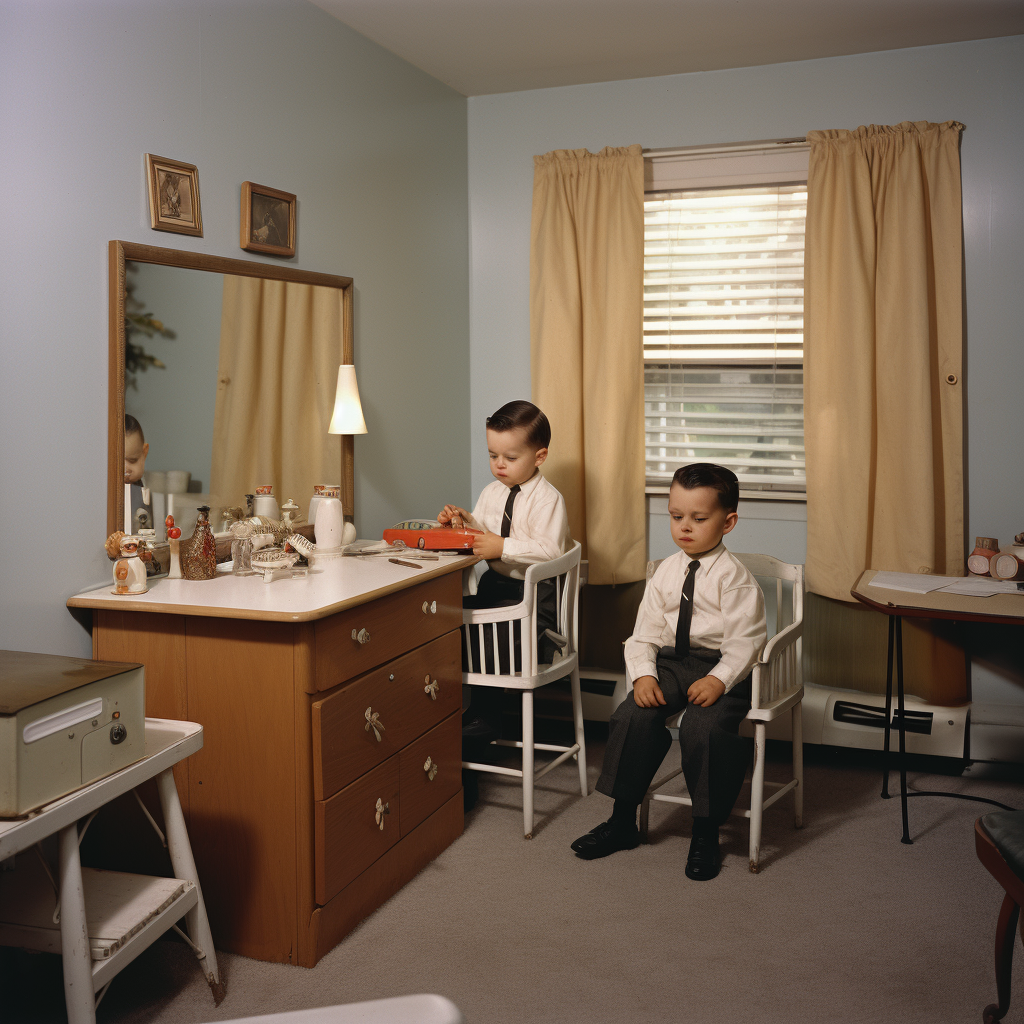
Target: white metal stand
x,y
149,907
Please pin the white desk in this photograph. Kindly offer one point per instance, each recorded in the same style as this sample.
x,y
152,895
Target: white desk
x,y
167,742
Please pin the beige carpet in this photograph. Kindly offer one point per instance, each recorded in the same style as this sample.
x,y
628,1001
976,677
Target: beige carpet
x,y
844,923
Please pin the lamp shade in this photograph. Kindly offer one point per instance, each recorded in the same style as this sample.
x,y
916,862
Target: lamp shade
x,y
348,413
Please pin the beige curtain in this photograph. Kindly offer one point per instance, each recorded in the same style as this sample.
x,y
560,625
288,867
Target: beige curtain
x,y
280,346
586,329
883,393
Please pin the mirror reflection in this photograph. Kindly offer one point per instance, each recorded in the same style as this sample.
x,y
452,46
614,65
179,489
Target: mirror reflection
x,y
231,380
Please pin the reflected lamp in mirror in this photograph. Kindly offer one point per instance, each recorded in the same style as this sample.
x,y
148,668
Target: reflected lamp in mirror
x,y
347,420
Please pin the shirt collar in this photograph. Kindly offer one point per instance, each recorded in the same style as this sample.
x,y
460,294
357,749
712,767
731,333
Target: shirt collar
x,y
709,558
530,485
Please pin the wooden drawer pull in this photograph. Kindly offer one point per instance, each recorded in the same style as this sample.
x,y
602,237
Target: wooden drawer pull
x,y
430,767
373,722
363,636
431,687
382,809
430,607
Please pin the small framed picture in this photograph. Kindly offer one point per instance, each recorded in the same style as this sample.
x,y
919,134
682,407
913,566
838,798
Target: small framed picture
x,y
173,196
268,220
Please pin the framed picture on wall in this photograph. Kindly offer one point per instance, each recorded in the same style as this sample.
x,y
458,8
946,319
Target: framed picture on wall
x,y
268,220
173,196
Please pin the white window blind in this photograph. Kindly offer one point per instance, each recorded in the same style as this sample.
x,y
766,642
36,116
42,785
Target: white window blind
x,y
723,327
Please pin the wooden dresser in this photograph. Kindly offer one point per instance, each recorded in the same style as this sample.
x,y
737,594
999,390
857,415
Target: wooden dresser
x,y
331,768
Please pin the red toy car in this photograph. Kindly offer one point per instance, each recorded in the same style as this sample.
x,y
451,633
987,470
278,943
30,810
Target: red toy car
x,y
431,536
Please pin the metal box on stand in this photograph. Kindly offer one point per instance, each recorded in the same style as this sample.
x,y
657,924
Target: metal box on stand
x,y
65,722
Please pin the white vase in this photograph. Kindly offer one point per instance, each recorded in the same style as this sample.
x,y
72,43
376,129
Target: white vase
x,y
329,525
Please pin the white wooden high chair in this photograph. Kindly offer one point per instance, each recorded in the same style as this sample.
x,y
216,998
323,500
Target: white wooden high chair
x,y
776,688
565,574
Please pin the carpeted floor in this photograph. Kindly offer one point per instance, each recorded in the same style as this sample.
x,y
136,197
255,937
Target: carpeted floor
x,y
844,923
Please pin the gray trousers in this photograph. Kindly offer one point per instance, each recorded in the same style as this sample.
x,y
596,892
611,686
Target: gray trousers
x,y
715,756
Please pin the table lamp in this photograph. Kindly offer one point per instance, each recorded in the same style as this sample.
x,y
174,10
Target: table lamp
x,y
347,420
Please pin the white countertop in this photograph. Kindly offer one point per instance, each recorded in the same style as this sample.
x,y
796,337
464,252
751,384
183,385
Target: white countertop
x,y
333,586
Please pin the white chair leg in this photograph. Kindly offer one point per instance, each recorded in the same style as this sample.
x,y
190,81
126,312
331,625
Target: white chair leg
x,y
577,716
757,795
79,995
798,765
528,763
184,865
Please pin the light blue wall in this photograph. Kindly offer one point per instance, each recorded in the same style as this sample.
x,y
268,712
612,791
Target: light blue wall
x,y
978,83
273,92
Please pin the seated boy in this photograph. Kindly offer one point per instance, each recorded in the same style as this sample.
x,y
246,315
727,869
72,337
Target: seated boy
x,y
699,631
524,521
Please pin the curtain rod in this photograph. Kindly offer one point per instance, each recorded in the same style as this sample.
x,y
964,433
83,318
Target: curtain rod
x,y
740,147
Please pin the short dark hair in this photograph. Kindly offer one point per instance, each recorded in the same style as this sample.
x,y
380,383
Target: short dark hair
x,y
707,474
525,415
133,426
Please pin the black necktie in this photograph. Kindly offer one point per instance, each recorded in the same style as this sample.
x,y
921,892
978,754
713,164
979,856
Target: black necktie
x,y
506,519
686,611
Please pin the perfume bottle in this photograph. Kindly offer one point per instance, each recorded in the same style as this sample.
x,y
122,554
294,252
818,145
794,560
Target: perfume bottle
x,y
241,550
174,544
199,559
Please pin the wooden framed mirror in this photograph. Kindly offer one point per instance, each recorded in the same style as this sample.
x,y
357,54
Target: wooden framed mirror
x,y
187,398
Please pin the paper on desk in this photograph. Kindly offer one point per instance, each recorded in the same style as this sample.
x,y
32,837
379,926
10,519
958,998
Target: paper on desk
x,y
982,586
912,582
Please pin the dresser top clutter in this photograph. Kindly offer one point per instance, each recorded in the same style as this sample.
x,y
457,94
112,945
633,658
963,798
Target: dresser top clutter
x,y
342,583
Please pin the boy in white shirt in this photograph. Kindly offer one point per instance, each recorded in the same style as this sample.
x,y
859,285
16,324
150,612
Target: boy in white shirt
x,y
523,521
699,631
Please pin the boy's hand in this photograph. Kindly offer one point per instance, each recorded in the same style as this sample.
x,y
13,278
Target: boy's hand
x,y
453,516
647,693
705,691
489,546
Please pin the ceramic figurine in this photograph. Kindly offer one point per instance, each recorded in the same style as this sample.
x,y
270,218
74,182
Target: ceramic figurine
x,y
289,515
199,557
250,500
174,543
129,569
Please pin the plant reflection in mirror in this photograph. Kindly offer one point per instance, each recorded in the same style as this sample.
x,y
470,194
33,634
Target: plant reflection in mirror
x,y
138,321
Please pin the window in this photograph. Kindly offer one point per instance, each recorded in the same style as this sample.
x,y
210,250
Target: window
x,y
723,317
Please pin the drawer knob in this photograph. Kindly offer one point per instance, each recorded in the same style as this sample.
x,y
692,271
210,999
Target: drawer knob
x,y
362,636
430,767
430,607
431,687
373,722
382,809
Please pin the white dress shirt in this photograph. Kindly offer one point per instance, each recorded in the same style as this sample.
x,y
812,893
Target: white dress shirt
x,y
728,615
540,524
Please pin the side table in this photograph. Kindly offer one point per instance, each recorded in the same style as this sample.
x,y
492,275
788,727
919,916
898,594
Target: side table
x,y
127,912
1001,608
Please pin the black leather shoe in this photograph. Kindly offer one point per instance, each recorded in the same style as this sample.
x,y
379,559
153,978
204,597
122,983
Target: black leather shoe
x,y
479,728
608,837
702,860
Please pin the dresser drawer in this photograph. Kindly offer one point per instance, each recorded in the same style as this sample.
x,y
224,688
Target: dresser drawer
x,y
431,771
355,827
388,627
405,701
